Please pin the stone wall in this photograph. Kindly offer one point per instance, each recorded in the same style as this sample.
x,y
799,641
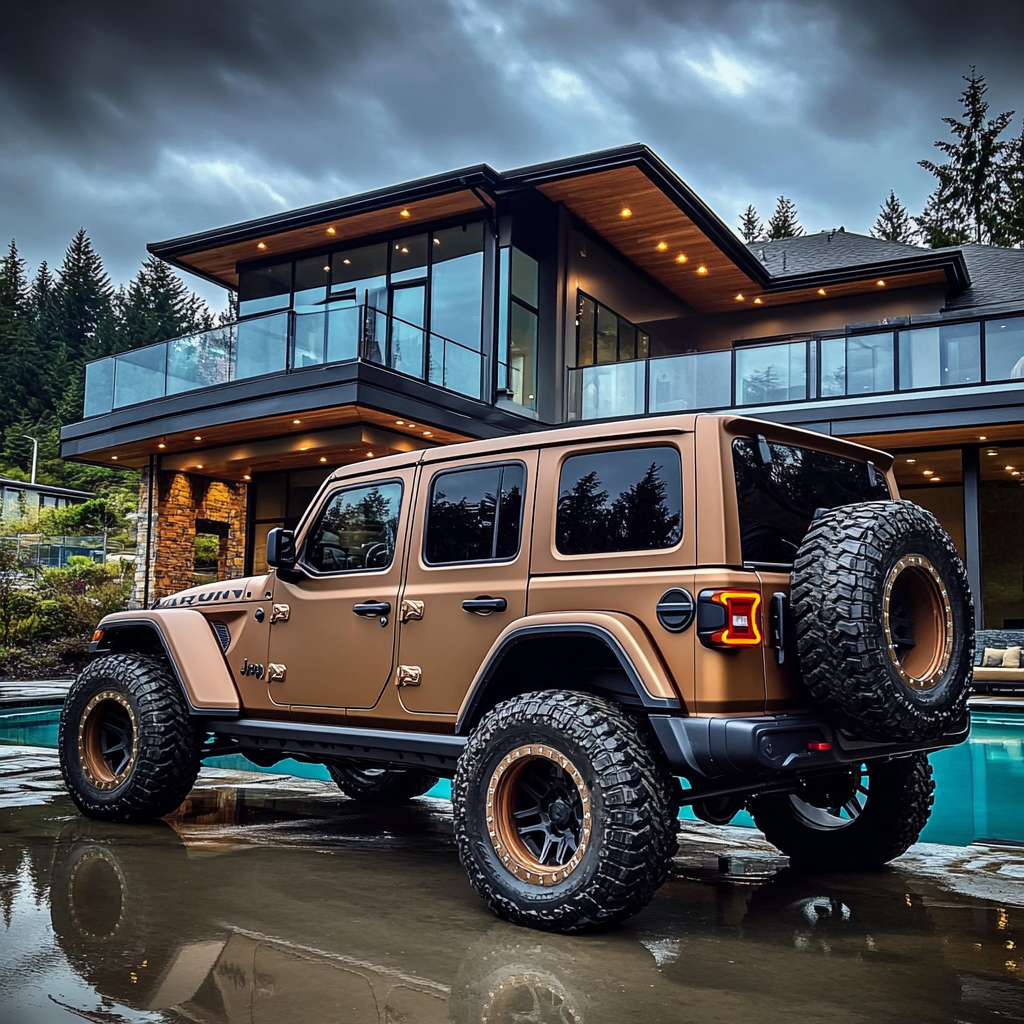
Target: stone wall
x,y
182,500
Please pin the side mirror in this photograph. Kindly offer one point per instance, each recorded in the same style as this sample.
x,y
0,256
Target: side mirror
x,y
281,549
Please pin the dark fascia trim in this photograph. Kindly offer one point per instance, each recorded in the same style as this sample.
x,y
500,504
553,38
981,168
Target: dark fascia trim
x,y
951,262
480,176
353,383
60,492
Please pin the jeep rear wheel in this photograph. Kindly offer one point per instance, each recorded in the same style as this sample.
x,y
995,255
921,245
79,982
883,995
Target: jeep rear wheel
x,y
128,748
856,819
565,816
383,787
884,621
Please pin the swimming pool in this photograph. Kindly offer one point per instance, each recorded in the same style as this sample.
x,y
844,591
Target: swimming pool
x,y
979,791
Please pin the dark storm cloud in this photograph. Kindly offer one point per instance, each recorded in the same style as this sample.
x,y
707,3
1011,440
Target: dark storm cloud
x,y
146,120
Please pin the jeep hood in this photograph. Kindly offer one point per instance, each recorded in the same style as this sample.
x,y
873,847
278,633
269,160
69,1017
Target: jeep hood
x,y
248,588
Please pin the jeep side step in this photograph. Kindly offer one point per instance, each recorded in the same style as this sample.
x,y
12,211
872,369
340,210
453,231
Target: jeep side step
x,y
436,751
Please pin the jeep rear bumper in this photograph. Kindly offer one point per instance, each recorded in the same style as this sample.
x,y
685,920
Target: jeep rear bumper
x,y
723,748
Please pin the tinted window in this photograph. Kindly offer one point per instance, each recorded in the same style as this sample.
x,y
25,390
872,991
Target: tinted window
x,y
264,289
475,515
777,500
356,530
620,501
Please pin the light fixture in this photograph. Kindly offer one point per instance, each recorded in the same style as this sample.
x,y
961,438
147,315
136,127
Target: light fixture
x,y
114,457
328,268
347,263
739,297
1016,472
197,438
983,438
296,422
323,458
934,480
161,445
246,477
757,301
426,433
625,213
881,284
1008,468
911,461
331,231
399,423
404,249
437,241
702,270
199,465
261,245
369,455
404,213
304,448
661,246
410,425
821,291
929,472
681,258
991,453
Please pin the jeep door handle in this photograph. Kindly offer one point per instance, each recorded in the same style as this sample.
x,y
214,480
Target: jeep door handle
x,y
373,608
485,604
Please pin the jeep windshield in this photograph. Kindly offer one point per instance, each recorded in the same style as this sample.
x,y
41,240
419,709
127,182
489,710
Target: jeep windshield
x,y
778,489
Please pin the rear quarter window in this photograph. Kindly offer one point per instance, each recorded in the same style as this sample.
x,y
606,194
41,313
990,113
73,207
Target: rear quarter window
x,y
777,500
624,500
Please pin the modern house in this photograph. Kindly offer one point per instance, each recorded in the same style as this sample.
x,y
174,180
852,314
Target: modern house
x,y
22,500
477,303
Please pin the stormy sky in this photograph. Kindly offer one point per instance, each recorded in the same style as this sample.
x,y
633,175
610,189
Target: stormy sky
x,y
143,121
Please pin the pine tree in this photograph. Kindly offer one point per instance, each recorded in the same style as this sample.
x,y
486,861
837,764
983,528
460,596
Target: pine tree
x,y
894,223
784,222
969,200
1012,221
82,307
19,355
156,306
751,228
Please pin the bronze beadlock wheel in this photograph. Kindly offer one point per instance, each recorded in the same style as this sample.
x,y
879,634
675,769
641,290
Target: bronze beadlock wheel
x,y
918,622
538,814
108,739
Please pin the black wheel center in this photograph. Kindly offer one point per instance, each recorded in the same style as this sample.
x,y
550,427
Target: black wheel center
x,y
548,813
559,812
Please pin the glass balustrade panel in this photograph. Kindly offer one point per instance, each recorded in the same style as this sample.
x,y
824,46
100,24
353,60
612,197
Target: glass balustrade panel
x,y
1004,349
462,367
940,356
767,374
857,365
99,387
613,390
310,342
261,346
696,380
200,360
140,375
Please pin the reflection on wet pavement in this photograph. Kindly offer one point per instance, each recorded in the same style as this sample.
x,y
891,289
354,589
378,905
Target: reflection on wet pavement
x,y
276,901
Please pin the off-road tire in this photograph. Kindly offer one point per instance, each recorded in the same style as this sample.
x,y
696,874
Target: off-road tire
x,y
842,593
165,759
633,805
896,809
381,787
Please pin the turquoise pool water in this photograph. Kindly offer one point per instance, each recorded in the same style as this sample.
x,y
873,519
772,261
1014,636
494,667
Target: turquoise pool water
x,y
979,785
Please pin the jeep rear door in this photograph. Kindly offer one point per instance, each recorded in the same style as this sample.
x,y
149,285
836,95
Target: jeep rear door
x,y
468,567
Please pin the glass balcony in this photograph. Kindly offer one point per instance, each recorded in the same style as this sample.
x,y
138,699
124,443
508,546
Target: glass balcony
x,y
928,357
276,343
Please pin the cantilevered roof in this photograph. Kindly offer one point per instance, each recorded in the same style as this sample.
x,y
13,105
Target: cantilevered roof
x,y
668,231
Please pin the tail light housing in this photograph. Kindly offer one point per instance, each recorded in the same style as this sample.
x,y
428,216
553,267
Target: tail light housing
x,y
729,619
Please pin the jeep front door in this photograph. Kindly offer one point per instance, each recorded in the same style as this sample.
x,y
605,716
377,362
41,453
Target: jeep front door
x,y
468,569
333,634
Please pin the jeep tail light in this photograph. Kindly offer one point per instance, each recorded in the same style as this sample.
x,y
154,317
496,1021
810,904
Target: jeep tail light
x,y
729,618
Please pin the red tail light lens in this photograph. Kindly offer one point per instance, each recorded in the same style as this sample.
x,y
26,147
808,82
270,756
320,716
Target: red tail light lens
x,y
742,626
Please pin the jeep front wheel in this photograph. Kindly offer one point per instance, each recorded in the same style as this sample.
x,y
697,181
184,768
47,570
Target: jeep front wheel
x,y
565,817
128,749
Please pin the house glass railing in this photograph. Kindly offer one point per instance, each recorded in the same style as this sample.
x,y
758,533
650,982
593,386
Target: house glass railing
x,y
277,343
809,368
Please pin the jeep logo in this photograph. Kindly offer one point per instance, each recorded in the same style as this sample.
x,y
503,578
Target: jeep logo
x,y
249,669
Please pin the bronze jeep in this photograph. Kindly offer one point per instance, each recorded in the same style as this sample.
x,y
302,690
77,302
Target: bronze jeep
x,y
565,623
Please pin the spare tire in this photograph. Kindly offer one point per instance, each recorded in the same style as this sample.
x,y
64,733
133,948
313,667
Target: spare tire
x,y
884,621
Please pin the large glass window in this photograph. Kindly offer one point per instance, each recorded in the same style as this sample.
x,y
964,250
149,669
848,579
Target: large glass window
x,y
777,499
626,500
409,258
1001,519
517,337
475,515
934,480
859,364
602,336
1004,349
456,285
766,374
264,289
356,530
940,356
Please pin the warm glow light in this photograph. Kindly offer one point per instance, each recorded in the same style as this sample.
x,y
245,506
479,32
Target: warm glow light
x,y
881,284
197,438
702,270
199,465
400,423
161,445
739,297
246,477
821,291
114,457
328,269
983,438
412,424
662,246
625,212
347,263
304,448
991,453
404,213
323,458
261,245
296,422
681,258
1016,472
911,461
331,231
426,433
935,479
369,455
929,472
1009,467
757,301
404,249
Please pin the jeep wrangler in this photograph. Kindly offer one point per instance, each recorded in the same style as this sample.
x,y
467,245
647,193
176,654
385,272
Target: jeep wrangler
x,y
566,623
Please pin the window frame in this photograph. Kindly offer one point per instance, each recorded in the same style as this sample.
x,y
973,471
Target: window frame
x,y
638,332
628,552
428,504
303,561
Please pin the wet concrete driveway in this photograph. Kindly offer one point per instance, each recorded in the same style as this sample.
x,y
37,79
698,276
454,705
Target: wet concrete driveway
x,y
276,901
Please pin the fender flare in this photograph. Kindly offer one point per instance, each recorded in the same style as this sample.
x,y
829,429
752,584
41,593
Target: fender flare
x,y
622,635
187,640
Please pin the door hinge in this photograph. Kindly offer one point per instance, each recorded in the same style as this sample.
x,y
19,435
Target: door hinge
x,y
280,613
276,673
409,675
411,610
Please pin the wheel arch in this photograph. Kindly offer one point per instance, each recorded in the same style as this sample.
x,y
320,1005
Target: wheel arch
x,y
604,654
184,638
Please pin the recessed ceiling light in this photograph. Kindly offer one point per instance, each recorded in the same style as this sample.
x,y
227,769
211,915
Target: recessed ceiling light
x,y
625,212
197,438
411,425
739,297
1016,472
404,249
426,433
404,213
323,458
881,284
296,422
331,231
935,479
437,241
702,270
929,472
1009,467
199,465
246,477
991,453
681,258
399,423
304,448
161,445
114,457
261,245
347,263
369,455
327,269
911,461
983,438
757,301
662,246
821,291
